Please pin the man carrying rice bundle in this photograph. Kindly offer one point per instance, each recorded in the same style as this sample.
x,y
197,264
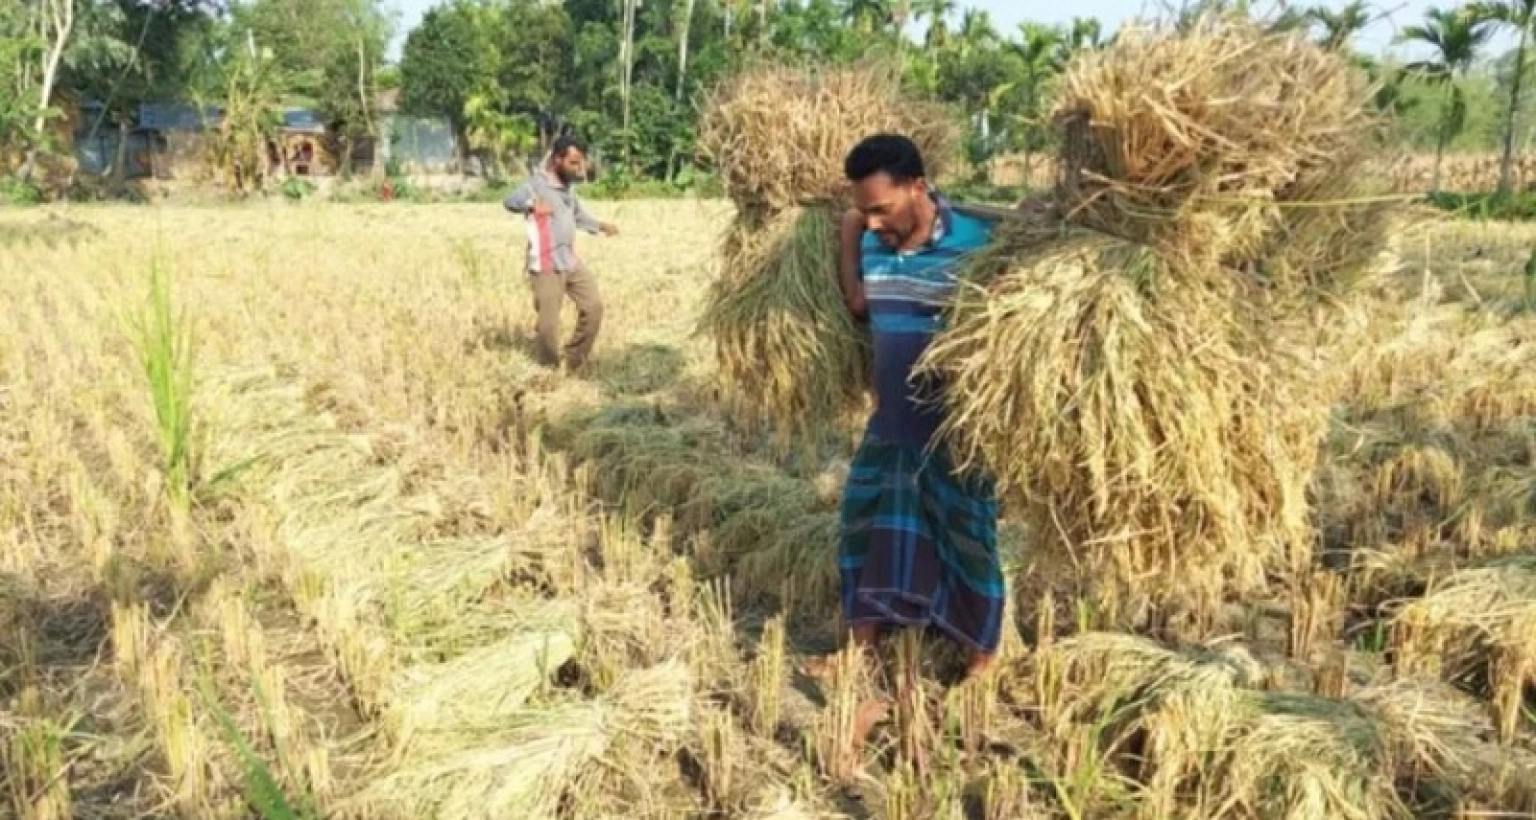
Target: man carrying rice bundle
x,y
919,541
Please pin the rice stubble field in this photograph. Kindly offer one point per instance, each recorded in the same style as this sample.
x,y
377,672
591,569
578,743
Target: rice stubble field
x,y
291,521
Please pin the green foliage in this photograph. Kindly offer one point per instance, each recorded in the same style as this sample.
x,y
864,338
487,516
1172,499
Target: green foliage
x,y
262,790
331,50
1487,206
511,75
298,189
445,59
164,343
15,191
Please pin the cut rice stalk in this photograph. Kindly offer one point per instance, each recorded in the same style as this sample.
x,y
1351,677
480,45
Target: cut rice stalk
x,y
529,763
478,687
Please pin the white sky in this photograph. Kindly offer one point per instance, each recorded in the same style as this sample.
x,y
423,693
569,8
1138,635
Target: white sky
x,y
1391,15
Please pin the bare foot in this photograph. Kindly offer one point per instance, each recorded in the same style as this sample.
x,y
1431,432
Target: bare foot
x,y
820,667
978,666
871,713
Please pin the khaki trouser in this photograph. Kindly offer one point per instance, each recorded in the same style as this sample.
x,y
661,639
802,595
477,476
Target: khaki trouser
x,y
549,292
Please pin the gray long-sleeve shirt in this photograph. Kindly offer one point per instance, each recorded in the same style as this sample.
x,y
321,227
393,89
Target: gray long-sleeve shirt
x,y
551,238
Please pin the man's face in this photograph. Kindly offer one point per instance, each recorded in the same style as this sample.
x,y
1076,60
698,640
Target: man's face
x,y
572,166
889,207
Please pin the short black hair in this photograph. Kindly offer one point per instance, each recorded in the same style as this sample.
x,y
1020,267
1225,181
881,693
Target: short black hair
x,y
896,155
563,146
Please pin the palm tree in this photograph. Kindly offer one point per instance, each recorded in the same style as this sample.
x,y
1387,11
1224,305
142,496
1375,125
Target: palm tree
x,y
1519,15
1456,37
1042,52
685,26
1339,27
937,13
976,30
869,16
1085,34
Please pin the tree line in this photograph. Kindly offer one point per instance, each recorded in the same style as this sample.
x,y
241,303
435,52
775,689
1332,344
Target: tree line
x,y
510,75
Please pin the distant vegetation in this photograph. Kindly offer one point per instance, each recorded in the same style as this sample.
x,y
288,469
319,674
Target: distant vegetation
x,y
509,75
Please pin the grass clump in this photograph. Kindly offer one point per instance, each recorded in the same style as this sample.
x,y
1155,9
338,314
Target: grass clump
x,y
164,343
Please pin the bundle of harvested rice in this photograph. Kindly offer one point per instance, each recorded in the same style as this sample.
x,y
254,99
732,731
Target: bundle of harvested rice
x,y
1303,756
528,765
1482,621
1183,704
1196,139
778,135
785,342
789,353
1113,392
484,684
1205,738
1145,372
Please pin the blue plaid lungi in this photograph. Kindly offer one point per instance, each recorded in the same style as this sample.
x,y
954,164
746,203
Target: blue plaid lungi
x,y
919,545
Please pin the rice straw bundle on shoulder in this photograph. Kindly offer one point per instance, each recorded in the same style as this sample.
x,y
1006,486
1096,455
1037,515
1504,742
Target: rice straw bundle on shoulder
x,y
1195,140
789,353
789,350
1146,380
1107,388
778,135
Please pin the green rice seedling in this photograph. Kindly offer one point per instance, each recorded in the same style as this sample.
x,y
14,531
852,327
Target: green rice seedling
x,y
32,761
166,351
263,792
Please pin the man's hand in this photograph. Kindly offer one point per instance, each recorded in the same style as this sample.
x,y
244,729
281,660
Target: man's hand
x,y
608,229
541,208
858,305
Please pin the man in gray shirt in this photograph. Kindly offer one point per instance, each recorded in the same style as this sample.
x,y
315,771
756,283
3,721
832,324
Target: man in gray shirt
x,y
554,215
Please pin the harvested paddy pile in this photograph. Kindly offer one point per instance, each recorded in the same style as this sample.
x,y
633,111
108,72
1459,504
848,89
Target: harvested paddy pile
x,y
1147,377
789,353
1208,734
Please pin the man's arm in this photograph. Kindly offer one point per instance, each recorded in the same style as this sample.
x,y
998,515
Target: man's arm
x,y
587,222
850,233
521,200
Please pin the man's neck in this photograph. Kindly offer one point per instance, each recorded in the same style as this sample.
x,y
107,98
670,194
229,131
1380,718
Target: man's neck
x,y
554,176
928,221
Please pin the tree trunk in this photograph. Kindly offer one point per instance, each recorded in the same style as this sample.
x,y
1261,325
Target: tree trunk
x,y
1445,133
363,100
120,159
58,15
627,66
1507,162
682,49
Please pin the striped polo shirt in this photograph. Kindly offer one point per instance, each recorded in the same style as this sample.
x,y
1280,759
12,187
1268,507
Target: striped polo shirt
x,y
906,292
